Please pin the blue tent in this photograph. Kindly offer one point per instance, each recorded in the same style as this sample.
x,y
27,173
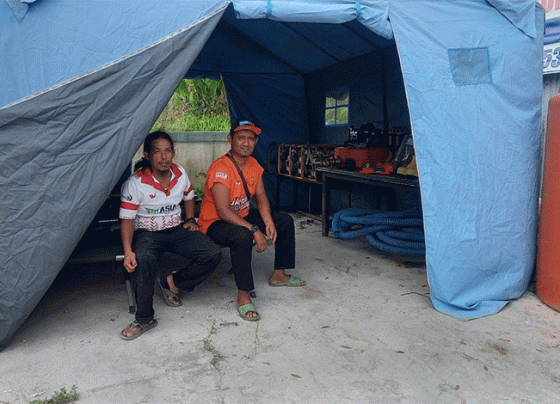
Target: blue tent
x,y
83,81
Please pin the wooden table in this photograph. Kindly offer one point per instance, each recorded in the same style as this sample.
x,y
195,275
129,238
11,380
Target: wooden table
x,y
295,181
330,175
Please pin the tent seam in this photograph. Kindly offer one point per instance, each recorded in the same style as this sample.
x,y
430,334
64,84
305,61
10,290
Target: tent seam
x,y
118,60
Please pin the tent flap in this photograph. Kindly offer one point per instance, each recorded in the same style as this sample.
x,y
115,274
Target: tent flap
x,y
520,13
79,138
475,112
19,7
38,54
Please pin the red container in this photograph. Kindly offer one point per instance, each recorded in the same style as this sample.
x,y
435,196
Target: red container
x,y
361,156
548,256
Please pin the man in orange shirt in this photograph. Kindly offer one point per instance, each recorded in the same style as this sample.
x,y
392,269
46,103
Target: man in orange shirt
x,y
226,216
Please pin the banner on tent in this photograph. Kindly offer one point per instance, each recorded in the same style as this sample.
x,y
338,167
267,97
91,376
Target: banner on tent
x,y
551,52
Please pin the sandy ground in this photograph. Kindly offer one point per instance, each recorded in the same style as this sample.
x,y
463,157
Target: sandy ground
x,y
363,331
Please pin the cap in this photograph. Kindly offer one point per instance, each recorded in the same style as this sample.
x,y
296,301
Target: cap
x,y
245,125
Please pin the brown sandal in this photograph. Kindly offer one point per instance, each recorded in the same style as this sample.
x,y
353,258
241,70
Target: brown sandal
x,y
167,293
143,328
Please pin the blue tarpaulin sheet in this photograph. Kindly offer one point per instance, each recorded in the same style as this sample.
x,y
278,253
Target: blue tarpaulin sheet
x,y
477,147
83,81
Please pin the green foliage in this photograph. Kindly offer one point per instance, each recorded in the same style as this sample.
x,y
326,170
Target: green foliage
x,y
196,105
60,397
205,97
199,193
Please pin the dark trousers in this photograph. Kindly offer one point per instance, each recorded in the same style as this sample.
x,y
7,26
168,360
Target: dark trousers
x,y
240,242
149,246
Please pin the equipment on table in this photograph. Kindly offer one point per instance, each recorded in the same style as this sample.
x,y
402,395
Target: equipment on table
x,y
301,160
366,136
405,160
355,158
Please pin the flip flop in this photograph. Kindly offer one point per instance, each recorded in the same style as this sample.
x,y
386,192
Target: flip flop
x,y
143,328
293,281
167,294
246,308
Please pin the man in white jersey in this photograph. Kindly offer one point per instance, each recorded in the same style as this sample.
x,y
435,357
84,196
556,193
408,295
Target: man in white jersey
x,y
151,224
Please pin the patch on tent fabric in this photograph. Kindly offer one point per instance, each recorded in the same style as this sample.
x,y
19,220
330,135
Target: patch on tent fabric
x,y
470,66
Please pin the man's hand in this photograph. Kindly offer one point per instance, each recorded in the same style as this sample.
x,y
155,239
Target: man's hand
x,y
260,239
129,262
271,232
191,226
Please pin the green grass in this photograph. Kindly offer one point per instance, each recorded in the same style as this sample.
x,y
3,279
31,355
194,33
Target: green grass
x,y
175,122
196,106
217,356
60,397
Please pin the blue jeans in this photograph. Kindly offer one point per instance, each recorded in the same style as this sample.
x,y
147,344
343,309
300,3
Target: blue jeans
x,y
240,242
149,246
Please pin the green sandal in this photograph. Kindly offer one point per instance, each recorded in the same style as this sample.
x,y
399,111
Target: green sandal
x,y
246,308
293,281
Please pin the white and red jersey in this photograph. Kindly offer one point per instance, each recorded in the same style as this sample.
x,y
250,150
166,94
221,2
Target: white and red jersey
x,y
152,207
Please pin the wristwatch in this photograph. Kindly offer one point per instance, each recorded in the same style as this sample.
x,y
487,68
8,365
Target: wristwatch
x,y
191,220
254,229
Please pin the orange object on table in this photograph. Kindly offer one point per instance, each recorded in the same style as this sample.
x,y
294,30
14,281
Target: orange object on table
x,y
367,169
384,169
371,156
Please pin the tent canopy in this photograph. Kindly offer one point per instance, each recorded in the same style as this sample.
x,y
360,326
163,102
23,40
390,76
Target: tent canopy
x,y
84,81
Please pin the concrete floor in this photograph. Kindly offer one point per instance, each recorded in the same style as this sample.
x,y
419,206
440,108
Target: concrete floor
x,y
362,331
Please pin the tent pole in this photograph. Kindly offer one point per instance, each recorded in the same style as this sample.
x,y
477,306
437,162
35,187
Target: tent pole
x,y
384,92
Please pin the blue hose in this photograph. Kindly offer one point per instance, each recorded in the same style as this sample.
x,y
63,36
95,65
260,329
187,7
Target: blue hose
x,y
400,233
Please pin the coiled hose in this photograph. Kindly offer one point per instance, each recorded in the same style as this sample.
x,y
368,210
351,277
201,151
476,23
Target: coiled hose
x,y
400,233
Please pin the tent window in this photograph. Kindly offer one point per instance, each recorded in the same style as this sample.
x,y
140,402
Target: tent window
x,y
470,66
336,108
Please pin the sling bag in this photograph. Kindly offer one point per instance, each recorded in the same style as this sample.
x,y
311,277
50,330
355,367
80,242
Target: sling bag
x,y
252,204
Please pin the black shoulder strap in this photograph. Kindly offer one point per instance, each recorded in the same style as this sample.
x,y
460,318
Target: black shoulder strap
x,y
242,176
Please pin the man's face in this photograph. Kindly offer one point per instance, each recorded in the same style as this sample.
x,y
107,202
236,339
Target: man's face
x,y
160,155
243,143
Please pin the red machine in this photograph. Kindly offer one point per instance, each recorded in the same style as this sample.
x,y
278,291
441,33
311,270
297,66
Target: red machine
x,y
362,156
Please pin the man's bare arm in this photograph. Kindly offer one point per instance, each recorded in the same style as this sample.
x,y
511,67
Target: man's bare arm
x,y
127,233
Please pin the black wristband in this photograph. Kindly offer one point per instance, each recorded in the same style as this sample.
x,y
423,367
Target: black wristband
x,y
191,220
254,229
